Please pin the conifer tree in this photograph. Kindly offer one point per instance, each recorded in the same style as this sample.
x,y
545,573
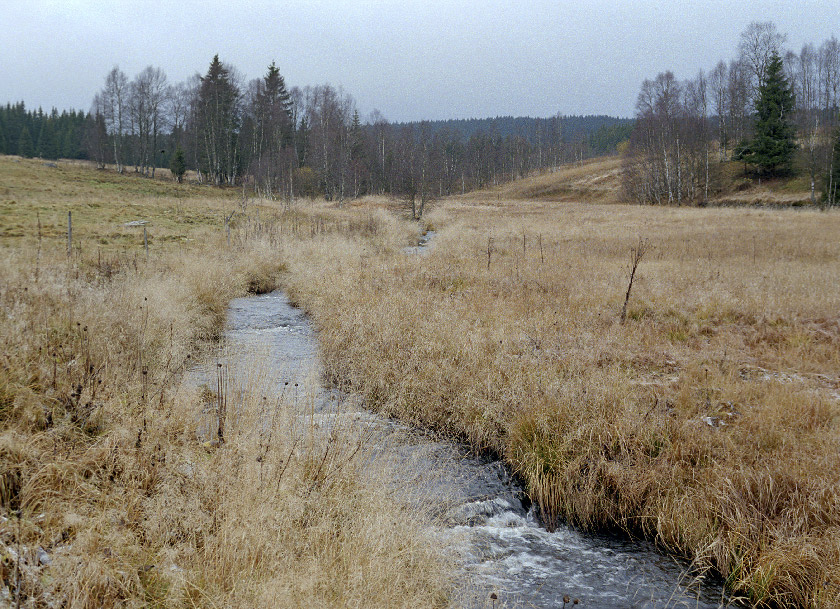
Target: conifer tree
x,y
357,155
25,146
178,165
272,133
773,146
218,116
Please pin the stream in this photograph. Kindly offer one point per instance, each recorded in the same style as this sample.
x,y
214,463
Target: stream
x,y
481,513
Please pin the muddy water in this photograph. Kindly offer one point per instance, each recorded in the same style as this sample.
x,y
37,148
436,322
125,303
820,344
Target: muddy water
x,y
481,512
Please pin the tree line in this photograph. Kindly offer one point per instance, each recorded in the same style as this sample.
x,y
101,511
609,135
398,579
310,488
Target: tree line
x,y
288,141
31,133
773,109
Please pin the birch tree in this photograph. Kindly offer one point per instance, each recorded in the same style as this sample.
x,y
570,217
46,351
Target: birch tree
x,y
758,43
114,102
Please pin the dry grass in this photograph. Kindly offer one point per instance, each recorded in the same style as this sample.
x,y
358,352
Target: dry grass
x,y
594,180
707,422
599,180
109,497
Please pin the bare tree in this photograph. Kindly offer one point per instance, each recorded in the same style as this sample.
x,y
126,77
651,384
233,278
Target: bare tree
x,y
739,101
96,133
328,114
759,41
804,77
114,102
720,98
147,100
179,99
158,103
668,158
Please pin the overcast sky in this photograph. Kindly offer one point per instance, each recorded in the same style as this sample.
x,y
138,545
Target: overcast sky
x,y
410,59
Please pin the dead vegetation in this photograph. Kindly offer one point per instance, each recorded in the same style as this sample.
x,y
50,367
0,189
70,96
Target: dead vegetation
x,y
109,495
708,421
599,180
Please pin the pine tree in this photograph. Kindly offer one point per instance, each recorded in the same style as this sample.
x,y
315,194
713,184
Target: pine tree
x,y
45,148
69,145
773,146
25,146
357,155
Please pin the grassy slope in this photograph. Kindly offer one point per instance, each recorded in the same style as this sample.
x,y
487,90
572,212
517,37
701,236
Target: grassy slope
x,y
599,181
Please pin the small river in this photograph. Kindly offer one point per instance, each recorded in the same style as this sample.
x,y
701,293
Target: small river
x,y
480,512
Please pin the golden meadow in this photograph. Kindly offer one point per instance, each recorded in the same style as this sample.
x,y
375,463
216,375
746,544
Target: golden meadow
x,y
707,421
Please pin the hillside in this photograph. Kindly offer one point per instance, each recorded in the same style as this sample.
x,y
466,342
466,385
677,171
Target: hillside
x,y
598,180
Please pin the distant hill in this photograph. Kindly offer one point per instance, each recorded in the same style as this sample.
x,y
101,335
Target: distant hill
x,y
601,132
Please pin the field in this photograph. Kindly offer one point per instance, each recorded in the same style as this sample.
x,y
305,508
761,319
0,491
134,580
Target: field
x,y
707,420
109,496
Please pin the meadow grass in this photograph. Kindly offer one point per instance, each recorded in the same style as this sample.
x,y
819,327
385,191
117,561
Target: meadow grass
x,y
110,496
707,422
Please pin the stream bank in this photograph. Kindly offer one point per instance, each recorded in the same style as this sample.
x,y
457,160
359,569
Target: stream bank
x,y
477,509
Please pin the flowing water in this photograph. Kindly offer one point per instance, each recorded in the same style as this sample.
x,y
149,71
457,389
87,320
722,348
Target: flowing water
x,y
482,514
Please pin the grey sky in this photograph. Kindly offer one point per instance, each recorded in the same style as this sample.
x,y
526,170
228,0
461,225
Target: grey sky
x,y
410,59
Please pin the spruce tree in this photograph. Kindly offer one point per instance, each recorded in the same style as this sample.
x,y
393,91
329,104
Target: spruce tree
x,y
773,146
217,117
25,146
178,165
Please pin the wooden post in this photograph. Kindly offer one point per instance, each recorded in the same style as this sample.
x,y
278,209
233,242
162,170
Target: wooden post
x,y
69,233
38,257
145,243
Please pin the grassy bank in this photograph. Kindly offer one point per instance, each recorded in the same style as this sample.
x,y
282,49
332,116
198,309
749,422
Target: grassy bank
x,y
109,497
708,421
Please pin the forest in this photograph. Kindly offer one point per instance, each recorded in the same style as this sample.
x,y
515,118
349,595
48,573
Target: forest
x,y
288,142
774,109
